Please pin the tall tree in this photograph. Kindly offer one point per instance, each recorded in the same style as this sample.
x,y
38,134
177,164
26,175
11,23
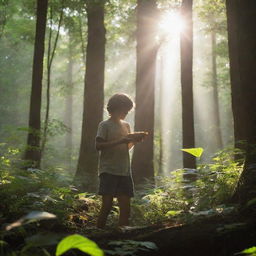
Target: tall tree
x,y
238,104
93,95
33,152
69,102
242,50
215,110
160,121
186,48
50,56
142,161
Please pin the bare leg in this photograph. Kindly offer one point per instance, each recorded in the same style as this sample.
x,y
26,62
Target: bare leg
x,y
106,206
124,206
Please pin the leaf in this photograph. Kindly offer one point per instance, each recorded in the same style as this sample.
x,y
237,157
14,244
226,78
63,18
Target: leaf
x,y
78,242
197,152
172,213
37,215
32,216
251,202
3,243
250,250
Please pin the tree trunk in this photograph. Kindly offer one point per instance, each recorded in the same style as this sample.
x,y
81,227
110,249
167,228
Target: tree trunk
x,y
33,154
142,161
216,111
93,95
160,120
242,50
69,105
186,46
50,56
238,107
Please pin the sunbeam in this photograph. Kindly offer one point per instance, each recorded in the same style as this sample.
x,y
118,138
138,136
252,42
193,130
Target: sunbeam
x,y
171,24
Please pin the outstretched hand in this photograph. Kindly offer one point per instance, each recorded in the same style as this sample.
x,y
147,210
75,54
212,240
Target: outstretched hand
x,y
137,136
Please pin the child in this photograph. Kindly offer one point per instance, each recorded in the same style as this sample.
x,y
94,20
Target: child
x,y
113,142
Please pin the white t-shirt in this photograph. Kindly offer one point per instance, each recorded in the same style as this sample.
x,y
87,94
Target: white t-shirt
x,y
114,160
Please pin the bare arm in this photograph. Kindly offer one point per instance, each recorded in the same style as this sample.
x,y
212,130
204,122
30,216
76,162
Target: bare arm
x,y
132,143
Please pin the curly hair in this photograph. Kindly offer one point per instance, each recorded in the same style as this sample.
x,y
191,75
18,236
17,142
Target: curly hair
x,y
119,101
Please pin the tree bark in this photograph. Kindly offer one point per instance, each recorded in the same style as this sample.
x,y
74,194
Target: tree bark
x,y
142,161
69,105
93,95
186,46
33,153
50,57
242,50
238,107
160,120
216,111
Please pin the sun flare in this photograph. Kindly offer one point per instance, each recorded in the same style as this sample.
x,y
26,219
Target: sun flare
x,y
171,24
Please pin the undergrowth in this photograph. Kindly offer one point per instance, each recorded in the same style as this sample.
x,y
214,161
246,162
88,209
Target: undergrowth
x,y
176,196
187,191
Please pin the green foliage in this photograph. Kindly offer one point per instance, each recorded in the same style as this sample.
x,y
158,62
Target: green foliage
x,y
212,12
56,127
161,203
78,242
16,52
218,180
41,190
189,191
33,192
31,197
250,251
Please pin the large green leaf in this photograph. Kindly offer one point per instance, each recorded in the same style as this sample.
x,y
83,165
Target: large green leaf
x,y
78,242
251,250
197,152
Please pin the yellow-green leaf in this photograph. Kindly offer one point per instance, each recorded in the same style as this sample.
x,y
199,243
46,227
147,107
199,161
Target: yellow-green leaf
x,y
251,250
197,152
78,242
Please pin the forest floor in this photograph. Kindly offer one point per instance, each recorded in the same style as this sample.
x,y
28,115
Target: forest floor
x,y
222,230
209,236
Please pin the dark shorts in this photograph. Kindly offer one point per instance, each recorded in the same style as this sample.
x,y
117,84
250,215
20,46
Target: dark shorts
x,y
115,185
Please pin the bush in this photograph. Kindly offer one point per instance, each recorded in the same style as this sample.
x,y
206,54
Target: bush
x,y
187,190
